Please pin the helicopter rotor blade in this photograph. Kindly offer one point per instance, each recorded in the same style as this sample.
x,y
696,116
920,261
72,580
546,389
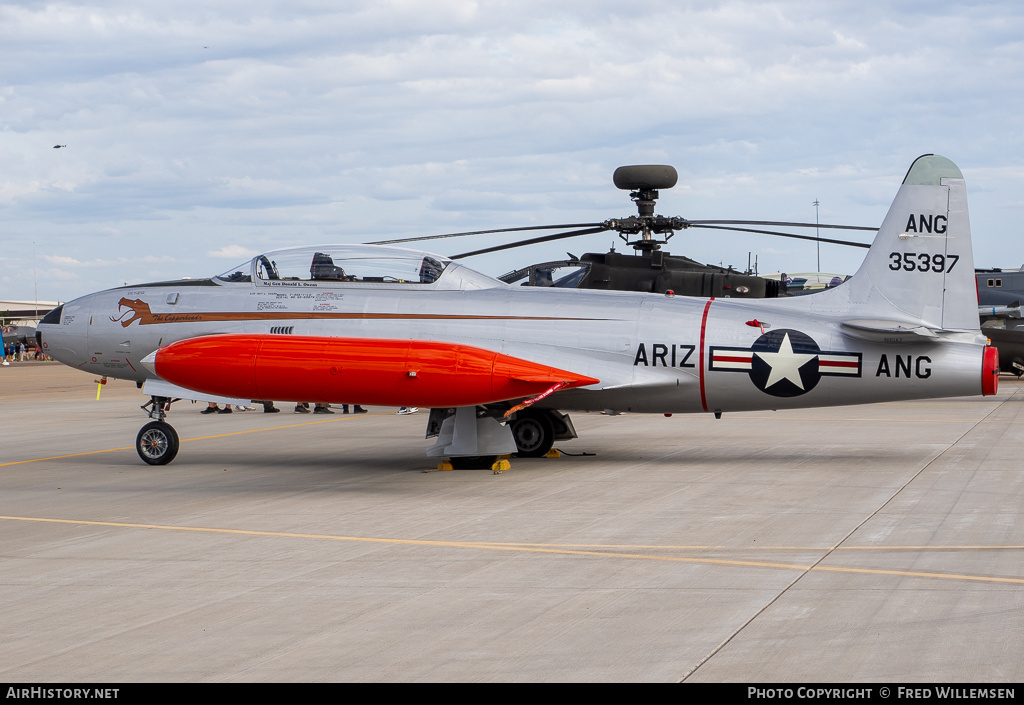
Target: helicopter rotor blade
x,y
848,243
590,228
778,223
485,232
532,241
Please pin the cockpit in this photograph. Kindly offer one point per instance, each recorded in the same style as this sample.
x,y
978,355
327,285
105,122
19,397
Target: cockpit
x,y
376,266
564,274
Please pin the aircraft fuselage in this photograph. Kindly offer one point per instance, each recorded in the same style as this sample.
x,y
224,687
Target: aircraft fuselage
x,y
652,353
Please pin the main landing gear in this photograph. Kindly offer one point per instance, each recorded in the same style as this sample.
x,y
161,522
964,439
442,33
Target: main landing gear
x,y
534,433
157,442
474,438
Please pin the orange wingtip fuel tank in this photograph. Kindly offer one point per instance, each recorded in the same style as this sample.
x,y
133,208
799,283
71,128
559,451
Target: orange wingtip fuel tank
x,y
354,370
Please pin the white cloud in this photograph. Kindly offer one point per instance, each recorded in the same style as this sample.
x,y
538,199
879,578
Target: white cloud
x,y
194,125
233,252
62,261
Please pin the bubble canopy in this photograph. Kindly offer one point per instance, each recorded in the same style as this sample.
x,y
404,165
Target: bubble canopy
x,y
325,265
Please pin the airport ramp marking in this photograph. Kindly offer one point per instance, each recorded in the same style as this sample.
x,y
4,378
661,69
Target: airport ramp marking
x,y
189,440
818,564
557,549
353,417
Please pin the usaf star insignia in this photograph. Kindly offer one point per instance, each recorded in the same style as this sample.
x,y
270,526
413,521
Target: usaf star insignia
x,y
785,362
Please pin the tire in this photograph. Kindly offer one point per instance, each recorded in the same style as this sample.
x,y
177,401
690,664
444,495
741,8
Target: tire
x,y
533,433
1016,367
157,443
473,462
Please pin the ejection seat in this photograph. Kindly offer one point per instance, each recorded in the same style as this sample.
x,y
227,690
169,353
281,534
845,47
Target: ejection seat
x,y
323,267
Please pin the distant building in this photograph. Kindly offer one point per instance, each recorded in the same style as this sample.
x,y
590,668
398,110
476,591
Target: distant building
x,y
24,312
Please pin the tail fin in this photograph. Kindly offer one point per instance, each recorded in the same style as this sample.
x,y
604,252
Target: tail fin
x,y
920,268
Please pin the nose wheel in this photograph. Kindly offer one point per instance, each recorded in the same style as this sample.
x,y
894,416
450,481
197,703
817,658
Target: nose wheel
x,y
157,443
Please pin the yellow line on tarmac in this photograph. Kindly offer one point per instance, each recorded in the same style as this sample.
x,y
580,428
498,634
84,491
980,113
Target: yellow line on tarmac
x,y
685,547
272,428
926,548
58,457
869,420
406,542
916,574
521,548
184,440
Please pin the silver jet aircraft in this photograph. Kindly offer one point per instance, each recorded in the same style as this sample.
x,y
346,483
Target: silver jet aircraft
x,y
498,364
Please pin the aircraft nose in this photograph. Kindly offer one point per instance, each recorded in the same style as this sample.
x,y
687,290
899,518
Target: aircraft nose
x,y
53,317
61,334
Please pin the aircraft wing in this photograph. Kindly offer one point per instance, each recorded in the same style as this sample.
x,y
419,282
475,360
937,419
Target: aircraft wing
x,y
160,388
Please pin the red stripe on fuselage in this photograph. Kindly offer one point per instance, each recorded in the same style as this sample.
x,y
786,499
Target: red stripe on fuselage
x,y
703,327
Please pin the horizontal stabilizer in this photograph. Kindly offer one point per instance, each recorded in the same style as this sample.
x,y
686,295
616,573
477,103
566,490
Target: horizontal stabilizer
x,y
882,331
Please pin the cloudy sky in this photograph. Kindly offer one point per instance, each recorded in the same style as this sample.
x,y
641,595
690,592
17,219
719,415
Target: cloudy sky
x,y
199,133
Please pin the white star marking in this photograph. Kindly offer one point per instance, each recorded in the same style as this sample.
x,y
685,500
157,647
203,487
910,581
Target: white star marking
x,y
785,363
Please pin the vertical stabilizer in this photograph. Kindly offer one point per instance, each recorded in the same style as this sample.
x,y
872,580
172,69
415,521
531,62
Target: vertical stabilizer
x,y
920,268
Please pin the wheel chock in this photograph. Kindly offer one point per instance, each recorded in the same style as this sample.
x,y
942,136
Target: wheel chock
x,y
445,465
554,453
500,466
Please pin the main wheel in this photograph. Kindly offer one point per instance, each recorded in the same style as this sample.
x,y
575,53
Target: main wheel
x,y
473,462
533,433
157,443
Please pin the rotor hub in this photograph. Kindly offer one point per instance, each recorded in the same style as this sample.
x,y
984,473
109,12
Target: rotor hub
x,y
644,182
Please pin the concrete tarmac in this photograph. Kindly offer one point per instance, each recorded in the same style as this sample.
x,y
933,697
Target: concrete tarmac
x,y
876,543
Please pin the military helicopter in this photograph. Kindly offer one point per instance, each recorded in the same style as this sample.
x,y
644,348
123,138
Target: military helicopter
x,y
1000,292
651,269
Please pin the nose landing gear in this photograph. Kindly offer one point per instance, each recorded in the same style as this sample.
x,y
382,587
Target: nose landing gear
x,y
157,442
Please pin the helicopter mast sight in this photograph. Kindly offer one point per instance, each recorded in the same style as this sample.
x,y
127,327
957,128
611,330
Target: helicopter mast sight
x,y
644,182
